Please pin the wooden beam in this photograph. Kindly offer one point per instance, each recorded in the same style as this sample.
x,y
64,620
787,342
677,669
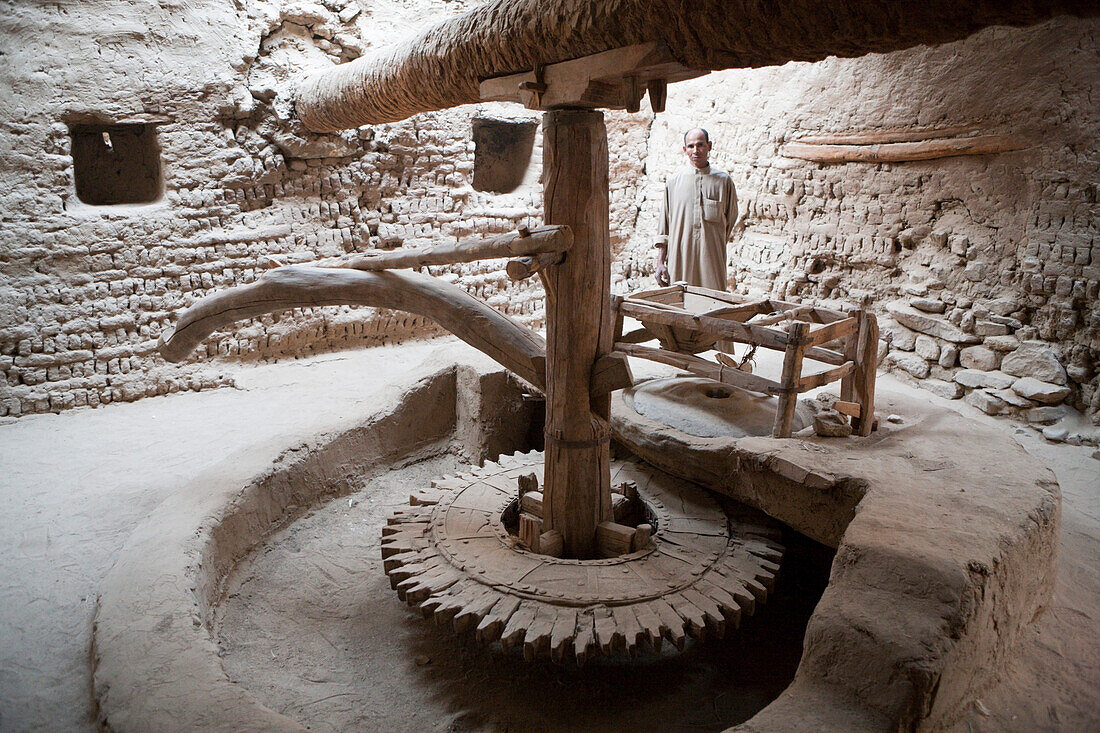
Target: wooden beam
x,y
813,381
542,240
702,367
649,313
905,151
482,327
832,331
789,378
614,79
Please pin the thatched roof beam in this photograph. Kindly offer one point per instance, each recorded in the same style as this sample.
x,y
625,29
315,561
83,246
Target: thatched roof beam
x,y
444,66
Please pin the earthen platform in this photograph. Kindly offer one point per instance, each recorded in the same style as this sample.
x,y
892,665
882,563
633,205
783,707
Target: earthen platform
x,y
946,535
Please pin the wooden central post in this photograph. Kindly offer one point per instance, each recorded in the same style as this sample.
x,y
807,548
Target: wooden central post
x,y
577,485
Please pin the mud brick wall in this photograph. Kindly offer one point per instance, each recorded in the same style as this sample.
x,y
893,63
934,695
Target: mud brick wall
x,y
999,252
1002,248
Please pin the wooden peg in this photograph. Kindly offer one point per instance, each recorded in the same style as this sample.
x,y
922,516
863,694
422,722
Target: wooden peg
x,y
551,543
522,268
613,539
530,530
527,482
531,503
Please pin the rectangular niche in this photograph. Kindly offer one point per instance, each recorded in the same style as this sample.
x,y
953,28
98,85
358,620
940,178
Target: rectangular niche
x,y
116,164
502,152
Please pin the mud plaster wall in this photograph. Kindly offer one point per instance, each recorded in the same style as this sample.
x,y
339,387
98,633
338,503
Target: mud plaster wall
x,y
85,291
1008,243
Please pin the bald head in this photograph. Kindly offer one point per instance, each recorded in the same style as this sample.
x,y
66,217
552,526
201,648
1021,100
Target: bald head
x,y
697,147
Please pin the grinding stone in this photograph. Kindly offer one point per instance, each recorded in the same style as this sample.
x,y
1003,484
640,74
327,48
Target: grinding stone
x,y
709,409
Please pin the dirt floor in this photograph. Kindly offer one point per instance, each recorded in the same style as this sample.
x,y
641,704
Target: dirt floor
x,y
74,485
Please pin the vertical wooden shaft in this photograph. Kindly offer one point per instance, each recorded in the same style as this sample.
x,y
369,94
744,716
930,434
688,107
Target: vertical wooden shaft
x,y
851,353
864,373
577,486
788,380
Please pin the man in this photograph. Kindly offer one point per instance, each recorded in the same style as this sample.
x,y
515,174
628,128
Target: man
x,y
697,216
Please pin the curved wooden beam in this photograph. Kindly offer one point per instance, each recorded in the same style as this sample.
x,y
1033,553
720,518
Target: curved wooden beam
x,y
517,348
443,66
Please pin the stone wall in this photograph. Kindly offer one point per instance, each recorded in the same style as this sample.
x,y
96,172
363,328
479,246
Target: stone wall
x,y
968,260
1006,244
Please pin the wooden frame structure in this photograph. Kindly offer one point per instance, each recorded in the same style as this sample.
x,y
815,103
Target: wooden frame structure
x,y
688,319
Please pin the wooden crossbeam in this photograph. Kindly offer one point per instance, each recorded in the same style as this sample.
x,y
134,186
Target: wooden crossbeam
x,y
542,240
614,79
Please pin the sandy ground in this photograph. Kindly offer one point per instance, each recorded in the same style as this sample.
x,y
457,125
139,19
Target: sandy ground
x,y
74,485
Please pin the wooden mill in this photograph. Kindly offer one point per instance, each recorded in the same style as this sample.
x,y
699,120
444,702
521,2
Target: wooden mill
x,y
570,554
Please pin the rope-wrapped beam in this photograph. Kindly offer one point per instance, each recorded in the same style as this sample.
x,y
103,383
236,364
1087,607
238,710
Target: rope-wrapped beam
x,y
442,67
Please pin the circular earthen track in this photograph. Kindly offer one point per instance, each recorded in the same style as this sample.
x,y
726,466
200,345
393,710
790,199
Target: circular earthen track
x,y
450,555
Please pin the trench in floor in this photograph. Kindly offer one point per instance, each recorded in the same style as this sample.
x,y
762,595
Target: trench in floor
x,y
311,627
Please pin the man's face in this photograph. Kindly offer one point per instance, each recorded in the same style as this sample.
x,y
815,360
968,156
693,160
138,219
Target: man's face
x,y
697,148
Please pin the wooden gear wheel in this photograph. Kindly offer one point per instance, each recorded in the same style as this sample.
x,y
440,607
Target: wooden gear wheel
x,y
451,555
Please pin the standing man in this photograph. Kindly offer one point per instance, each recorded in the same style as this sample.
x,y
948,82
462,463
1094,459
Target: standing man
x,y
698,214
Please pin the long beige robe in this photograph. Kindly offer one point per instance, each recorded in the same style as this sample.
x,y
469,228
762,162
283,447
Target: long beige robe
x,y
697,216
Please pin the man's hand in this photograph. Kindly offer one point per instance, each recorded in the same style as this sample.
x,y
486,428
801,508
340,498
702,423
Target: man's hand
x,y
662,267
662,274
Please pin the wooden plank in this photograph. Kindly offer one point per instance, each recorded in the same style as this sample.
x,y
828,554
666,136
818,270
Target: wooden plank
x,y
642,535
718,327
828,356
525,242
784,315
851,409
813,381
638,336
792,369
832,331
702,367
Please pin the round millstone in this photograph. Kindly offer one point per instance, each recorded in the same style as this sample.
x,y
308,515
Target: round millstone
x,y
450,554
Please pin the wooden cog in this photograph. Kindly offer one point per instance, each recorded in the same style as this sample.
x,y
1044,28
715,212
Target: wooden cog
x,y
450,555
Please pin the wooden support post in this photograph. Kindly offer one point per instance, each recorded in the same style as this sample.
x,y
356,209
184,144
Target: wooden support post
x,y
577,477
797,336
863,377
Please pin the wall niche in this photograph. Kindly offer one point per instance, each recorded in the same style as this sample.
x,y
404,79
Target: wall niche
x,y
116,164
502,153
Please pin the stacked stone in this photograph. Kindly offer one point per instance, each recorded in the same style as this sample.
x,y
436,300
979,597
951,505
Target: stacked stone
x,y
958,349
